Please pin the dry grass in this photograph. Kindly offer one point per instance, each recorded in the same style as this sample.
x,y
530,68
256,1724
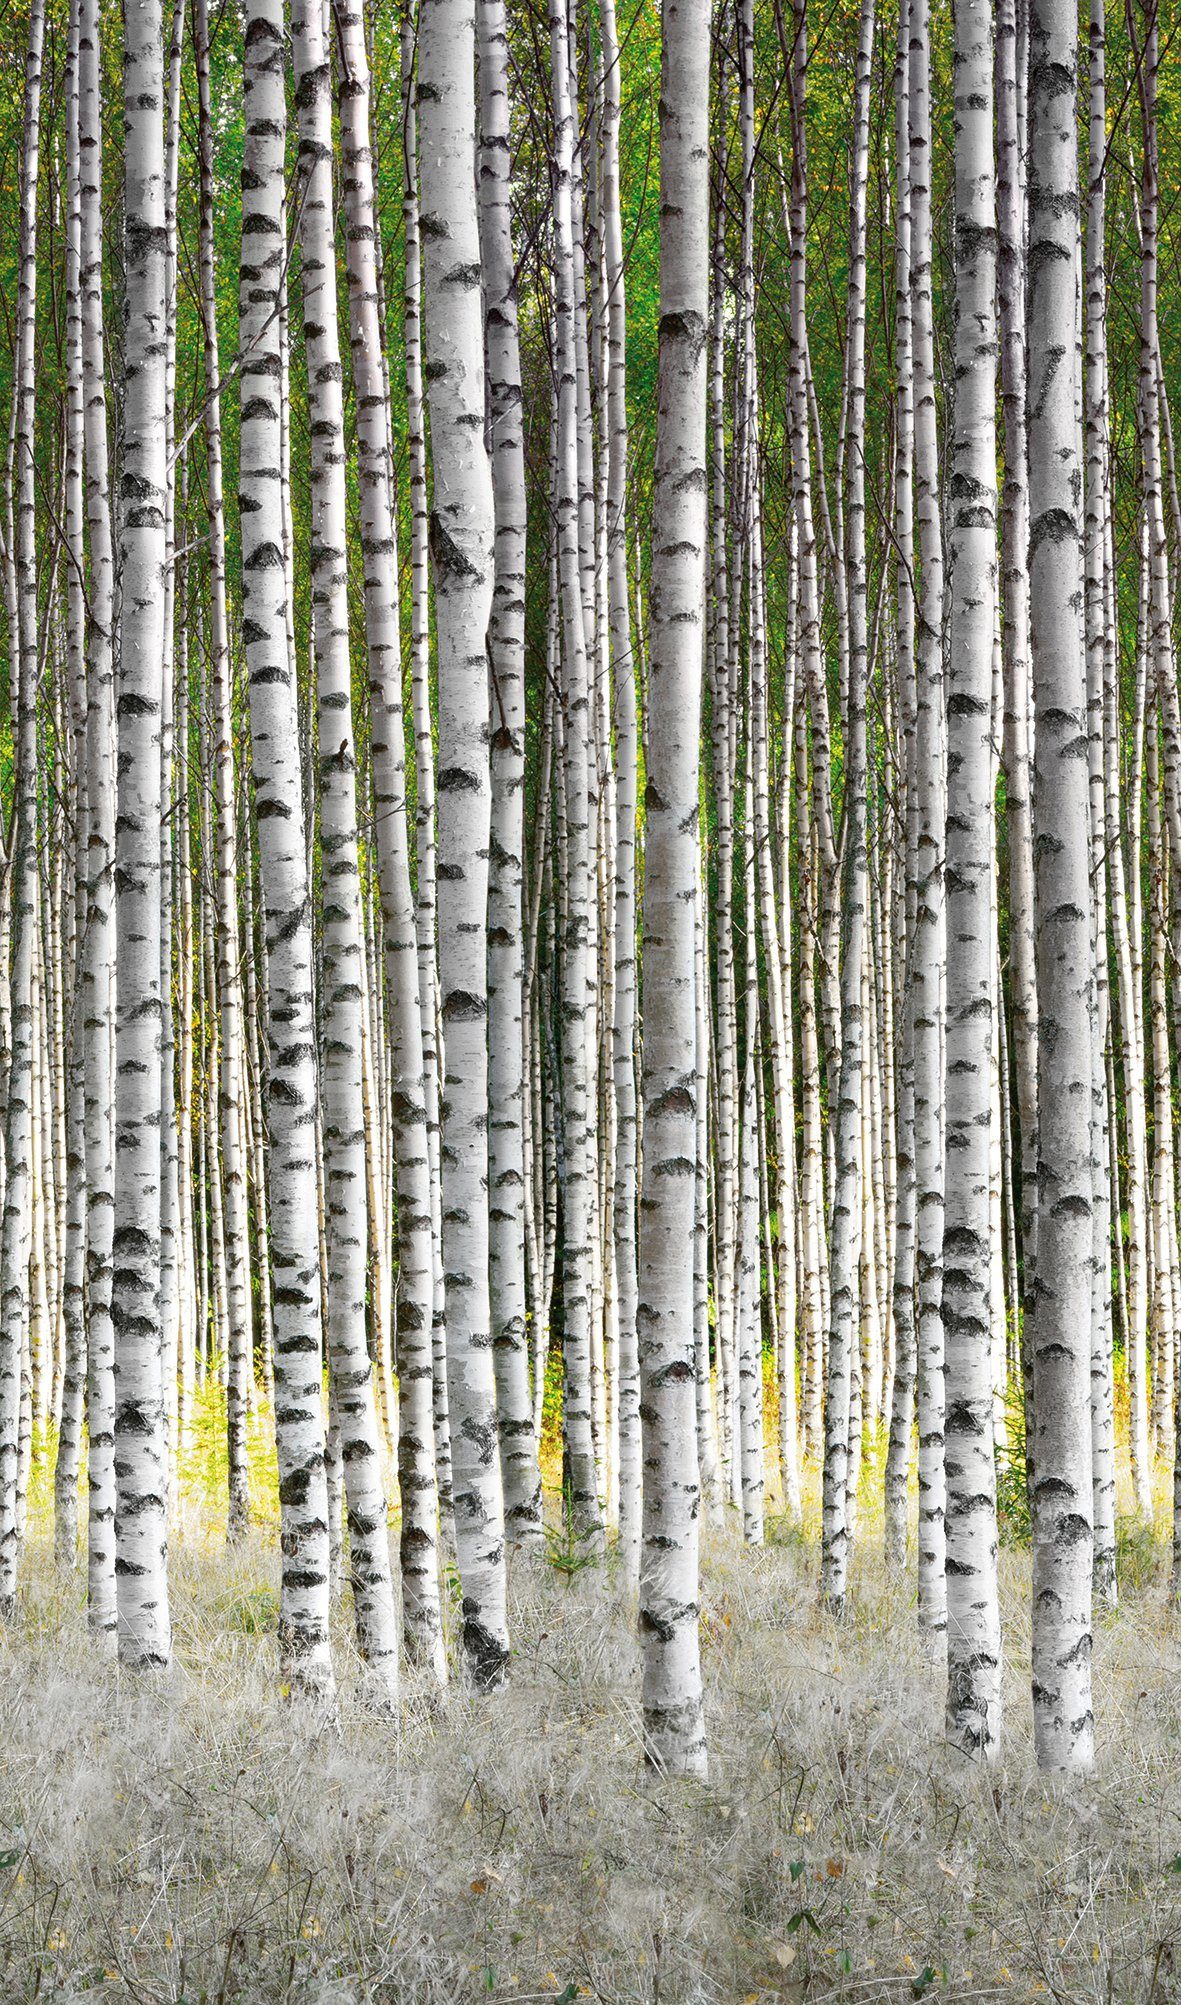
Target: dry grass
x,y
194,1839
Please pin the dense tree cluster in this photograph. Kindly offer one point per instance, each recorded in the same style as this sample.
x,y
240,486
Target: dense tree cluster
x,y
591,806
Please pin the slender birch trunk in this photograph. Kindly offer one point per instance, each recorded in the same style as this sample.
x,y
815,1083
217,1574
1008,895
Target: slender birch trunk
x,y
17,1224
506,652
722,705
424,743
73,1380
141,1454
1096,544
927,959
240,1354
577,1007
415,1311
898,1453
169,1244
283,873
462,535
840,1471
672,1694
973,1610
626,786
342,993
98,964
1062,1554
1018,732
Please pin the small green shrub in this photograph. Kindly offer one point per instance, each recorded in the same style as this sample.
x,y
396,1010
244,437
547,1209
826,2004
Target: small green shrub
x,y
254,1612
1140,1557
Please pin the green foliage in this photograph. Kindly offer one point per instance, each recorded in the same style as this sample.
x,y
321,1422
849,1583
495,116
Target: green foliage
x,y
551,1402
1140,1559
1012,1505
452,1585
254,1612
1012,1492
569,1551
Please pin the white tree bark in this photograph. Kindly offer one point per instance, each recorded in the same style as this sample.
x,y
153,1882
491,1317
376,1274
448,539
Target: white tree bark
x,y
898,1454
927,959
72,1384
415,1303
506,650
461,532
672,1694
17,1222
1018,733
973,1610
141,1453
342,973
840,1463
98,966
1062,1553
424,743
577,1000
1098,643
626,786
283,872
240,1359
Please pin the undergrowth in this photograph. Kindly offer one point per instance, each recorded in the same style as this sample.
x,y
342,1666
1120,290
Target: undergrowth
x,y
194,1840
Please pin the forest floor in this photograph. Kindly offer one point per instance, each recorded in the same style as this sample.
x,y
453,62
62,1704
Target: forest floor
x,y
195,1838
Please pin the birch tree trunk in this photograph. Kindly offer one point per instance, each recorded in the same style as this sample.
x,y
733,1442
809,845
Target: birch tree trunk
x,y
1018,735
240,1359
1098,642
342,995
1063,1723
73,1381
506,652
305,1653
415,1311
577,1005
17,1223
141,1453
672,1693
424,744
98,964
973,1611
462,532
840,1470
1159,642
626,786
896,1503
927,959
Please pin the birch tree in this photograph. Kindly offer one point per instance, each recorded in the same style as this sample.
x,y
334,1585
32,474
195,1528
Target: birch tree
x,y
343,963
16,1228
973,1613
1061,1495
672,1696
462,530
928,945
141,1459
98,954
840,1466
283,868
506,642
